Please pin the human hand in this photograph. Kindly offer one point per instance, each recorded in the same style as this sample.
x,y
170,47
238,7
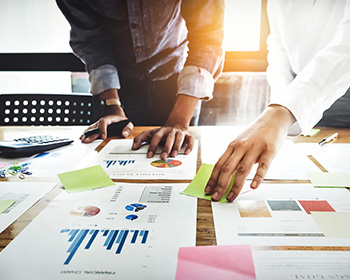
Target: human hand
x,y
174,133
257,144
172,139
113,114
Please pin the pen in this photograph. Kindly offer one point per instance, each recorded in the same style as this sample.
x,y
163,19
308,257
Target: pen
x,y
328,139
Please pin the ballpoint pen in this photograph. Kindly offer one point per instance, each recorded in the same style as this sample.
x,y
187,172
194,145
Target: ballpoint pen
x,y
330,138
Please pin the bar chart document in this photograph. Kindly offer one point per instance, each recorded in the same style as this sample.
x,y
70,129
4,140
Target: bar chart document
x,y
127,231
120,162
281,214
24,195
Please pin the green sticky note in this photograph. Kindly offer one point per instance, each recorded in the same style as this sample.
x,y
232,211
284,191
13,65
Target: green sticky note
x,y
312,132
5,204
199,182
85,179
329,180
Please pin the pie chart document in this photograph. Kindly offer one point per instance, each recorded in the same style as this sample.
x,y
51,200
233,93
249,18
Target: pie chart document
x,y
120,162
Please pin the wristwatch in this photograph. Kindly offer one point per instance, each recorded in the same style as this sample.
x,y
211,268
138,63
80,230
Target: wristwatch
x,y
112,101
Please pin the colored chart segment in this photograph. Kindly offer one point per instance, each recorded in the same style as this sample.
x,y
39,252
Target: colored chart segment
x,y
87,211
316,206
131,217
166,163
135,207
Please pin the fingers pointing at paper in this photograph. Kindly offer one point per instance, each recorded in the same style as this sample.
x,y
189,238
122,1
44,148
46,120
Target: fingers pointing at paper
x,y
171,138
257,144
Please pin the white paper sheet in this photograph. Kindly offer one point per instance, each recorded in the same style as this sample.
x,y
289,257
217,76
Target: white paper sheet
x,y
133,165
25,195
333,156
276,214
50,163
127,231
300,263
289,163
212,148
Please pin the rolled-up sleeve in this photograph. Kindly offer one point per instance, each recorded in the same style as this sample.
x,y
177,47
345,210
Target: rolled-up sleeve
x,y
204,21
196,82
103,78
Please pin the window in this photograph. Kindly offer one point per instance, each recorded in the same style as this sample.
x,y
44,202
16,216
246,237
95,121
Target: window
x,y
246,29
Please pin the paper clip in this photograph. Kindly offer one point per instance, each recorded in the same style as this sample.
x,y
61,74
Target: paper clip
x,y
16,170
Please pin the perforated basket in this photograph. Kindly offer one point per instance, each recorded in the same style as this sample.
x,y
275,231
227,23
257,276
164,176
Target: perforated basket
x,y
46,109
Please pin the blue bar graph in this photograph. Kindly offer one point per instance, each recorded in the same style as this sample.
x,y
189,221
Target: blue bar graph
x,y
94,233
122,241
110,163
112,236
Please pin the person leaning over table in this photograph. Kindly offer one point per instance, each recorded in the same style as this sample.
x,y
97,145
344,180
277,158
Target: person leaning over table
x,y
309,69
159,58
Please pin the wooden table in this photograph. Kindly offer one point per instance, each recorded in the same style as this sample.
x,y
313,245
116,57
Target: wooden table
x,y
205,225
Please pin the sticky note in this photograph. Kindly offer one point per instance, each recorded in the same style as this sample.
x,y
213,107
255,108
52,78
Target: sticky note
x,y
215,262
199,182
312,132
5,204
329,180
333,224
85,179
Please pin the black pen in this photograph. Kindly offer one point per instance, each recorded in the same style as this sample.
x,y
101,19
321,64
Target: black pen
x,y
330,138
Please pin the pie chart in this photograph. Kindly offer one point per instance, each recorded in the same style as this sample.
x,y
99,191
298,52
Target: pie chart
x,y
166,163
131,217
87,211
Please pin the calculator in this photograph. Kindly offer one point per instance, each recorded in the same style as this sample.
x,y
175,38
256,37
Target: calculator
x,y
27,146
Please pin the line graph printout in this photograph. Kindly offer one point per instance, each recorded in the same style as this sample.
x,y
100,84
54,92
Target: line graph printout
x,y
25,196
127,231
279,214
120,162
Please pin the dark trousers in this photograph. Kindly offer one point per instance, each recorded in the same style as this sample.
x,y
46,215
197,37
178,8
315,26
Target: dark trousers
x,y
149,103
338,115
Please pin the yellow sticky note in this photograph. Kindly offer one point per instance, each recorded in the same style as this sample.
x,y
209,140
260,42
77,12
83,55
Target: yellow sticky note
x,y
85,179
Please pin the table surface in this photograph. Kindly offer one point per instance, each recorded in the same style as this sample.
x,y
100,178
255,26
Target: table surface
x,y
205,224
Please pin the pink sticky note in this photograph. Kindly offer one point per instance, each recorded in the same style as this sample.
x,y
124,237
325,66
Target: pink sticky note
x,y
215,262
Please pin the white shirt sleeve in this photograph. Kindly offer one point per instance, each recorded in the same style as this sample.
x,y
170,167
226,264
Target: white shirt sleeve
x,y
279,72
196,81
323,80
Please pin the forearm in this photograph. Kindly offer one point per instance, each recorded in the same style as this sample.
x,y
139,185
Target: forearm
x,y
182,112
277,116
